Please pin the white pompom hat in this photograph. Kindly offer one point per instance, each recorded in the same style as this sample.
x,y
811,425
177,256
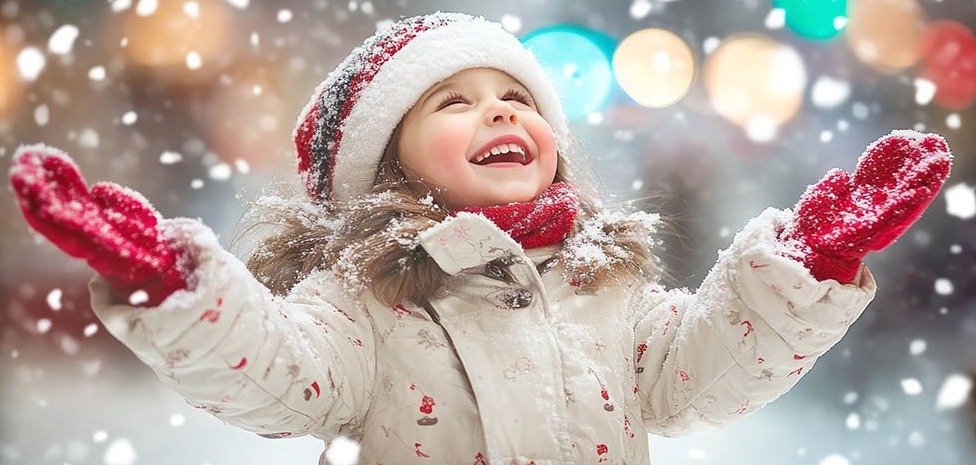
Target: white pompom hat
x,y
341,134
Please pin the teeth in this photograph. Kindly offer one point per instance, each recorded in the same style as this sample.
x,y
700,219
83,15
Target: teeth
x,y
500,149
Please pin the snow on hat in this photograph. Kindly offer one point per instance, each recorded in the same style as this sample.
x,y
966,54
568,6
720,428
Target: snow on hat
x,y
342,132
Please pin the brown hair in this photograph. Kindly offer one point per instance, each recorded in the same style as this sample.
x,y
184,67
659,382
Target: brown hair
x,y
372,242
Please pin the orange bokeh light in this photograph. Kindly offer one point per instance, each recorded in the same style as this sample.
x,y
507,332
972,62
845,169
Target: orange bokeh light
x,y
177,36
655,67
755,81
885,34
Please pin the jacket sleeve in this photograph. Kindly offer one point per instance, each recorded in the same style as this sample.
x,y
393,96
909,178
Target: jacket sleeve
x,y
756,325
277,367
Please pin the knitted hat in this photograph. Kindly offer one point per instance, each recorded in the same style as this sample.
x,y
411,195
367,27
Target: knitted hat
x,y
341,133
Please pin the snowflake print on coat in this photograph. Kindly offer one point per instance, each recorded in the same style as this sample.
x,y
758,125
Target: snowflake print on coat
x,y
521,366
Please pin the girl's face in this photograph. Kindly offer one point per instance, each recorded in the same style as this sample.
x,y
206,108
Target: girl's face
x,y
478,136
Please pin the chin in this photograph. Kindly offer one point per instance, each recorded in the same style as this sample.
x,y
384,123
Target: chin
x,y
499,195
517,195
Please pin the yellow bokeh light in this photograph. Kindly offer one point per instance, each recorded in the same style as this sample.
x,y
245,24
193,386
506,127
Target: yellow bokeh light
x,y
10,84
885,33
755,82
655,67
176,36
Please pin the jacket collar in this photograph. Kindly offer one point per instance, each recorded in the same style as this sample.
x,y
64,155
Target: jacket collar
x,y
467,241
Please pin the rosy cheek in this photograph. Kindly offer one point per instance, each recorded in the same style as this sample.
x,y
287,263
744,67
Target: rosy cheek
x,y
548,148
448,147
546,145
541,133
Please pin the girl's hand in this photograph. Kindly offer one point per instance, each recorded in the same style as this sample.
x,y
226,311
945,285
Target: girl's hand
x,y
111,227
843,217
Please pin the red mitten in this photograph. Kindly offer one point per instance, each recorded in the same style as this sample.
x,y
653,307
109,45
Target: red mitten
x,y
113,228
843,217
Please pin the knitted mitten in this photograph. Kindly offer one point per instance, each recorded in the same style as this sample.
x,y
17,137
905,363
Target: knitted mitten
x,y
844,216
111,227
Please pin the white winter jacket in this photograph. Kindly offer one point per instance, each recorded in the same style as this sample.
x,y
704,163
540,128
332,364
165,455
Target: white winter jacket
x,y
509,366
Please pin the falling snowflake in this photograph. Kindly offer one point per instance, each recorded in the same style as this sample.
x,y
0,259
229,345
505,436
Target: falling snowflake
x,y
775,19
954,392
97,73
120,452
220,172
924,91
835,459
146,7
911,386
169,158
63,39
54,299
917,347
829,92
961,201
943,286
30,63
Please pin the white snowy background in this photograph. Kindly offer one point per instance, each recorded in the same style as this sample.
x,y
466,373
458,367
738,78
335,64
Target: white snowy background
x,y
200,125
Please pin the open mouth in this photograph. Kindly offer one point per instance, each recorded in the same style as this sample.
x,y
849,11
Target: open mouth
x,y
509,149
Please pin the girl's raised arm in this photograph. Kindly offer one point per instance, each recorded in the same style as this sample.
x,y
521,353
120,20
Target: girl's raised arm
x,y
786,290
194,313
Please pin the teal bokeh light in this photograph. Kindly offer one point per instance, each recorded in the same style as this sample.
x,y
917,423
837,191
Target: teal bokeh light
x,y
814,19
577,60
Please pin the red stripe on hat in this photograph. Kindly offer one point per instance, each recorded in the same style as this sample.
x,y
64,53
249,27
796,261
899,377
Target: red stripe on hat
x,y
386,49
303,140
383,52
373,59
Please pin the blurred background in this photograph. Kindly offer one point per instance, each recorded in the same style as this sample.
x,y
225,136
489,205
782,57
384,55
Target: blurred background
x,y
715,109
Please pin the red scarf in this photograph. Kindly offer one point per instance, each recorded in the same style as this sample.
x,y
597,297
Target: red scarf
x,y
536,223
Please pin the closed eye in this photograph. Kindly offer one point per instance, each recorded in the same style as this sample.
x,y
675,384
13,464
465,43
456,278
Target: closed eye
x,y
451,99
518,96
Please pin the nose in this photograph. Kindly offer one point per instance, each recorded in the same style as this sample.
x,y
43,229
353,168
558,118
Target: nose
x,y
502,112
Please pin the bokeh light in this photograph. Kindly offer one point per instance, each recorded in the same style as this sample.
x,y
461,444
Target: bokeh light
x,y
814,19
184,38
755,82
244,113
948,55
10,85
578,62
885,34
655,67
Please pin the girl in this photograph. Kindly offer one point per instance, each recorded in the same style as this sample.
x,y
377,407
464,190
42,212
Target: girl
x,y
450,294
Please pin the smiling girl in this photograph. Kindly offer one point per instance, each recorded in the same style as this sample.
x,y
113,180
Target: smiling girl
x,y
449,293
